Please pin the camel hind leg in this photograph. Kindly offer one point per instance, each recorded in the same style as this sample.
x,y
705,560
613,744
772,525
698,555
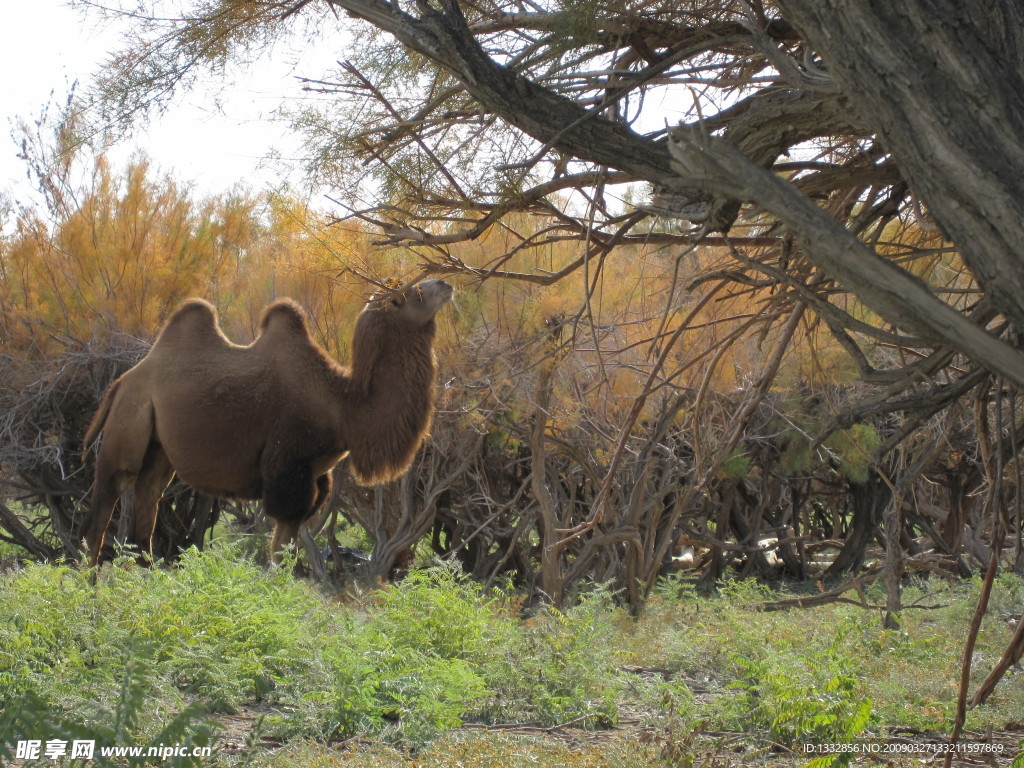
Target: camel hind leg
x,y
128,431
107,489
150,483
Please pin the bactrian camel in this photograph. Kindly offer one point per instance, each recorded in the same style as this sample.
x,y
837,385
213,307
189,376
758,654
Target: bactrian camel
x,y
269,420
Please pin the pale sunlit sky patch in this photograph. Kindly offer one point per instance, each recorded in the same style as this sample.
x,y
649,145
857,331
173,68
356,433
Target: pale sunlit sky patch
x,y
211,138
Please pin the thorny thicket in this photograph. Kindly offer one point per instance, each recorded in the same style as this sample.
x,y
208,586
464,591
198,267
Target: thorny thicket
x,y
546,126
837,160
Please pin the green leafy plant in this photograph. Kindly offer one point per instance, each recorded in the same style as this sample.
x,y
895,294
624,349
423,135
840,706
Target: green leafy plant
x,y
735,467
558,665
811,701
122,725
678,733
855,448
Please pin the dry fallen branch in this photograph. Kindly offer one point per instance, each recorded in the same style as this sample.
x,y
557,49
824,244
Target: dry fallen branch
x,y
832,596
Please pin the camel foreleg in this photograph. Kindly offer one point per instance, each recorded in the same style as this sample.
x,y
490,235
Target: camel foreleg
x,y
324,485
285,533
290,498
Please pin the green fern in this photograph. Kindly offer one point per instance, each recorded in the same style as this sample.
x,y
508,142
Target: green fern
x,y
823,707
29,715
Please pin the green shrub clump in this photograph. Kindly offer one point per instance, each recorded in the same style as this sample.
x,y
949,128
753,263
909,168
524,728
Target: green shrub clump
x,y
218,633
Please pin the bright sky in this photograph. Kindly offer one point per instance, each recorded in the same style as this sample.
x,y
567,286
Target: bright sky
x,y
213,140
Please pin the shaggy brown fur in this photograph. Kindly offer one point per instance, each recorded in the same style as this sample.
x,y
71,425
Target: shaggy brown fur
x,y
269,420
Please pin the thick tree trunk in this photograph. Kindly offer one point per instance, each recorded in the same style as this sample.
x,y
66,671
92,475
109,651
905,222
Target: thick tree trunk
x,y
868,499
941,82
550,568
893,570
552,581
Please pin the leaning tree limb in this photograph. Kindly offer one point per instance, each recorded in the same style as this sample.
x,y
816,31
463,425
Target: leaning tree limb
x,y
22,536
695,160
943,85
882,285
1012,655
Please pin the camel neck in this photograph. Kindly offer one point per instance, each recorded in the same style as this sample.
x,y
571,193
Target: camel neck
x,y
391,397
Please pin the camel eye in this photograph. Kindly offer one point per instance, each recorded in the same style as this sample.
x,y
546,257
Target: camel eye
x,y
396,303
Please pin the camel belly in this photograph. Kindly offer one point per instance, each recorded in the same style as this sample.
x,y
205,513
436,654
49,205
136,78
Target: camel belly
x,y
224,457
222,486
218,431
221,476
217,453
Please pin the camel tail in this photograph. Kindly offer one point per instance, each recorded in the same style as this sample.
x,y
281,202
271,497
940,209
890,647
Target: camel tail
x,y
99,420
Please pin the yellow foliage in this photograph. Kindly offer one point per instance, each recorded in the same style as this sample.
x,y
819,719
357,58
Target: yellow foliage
x,y
136,246
635,320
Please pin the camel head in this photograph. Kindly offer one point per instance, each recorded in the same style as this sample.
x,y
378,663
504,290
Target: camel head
x,y
417,305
